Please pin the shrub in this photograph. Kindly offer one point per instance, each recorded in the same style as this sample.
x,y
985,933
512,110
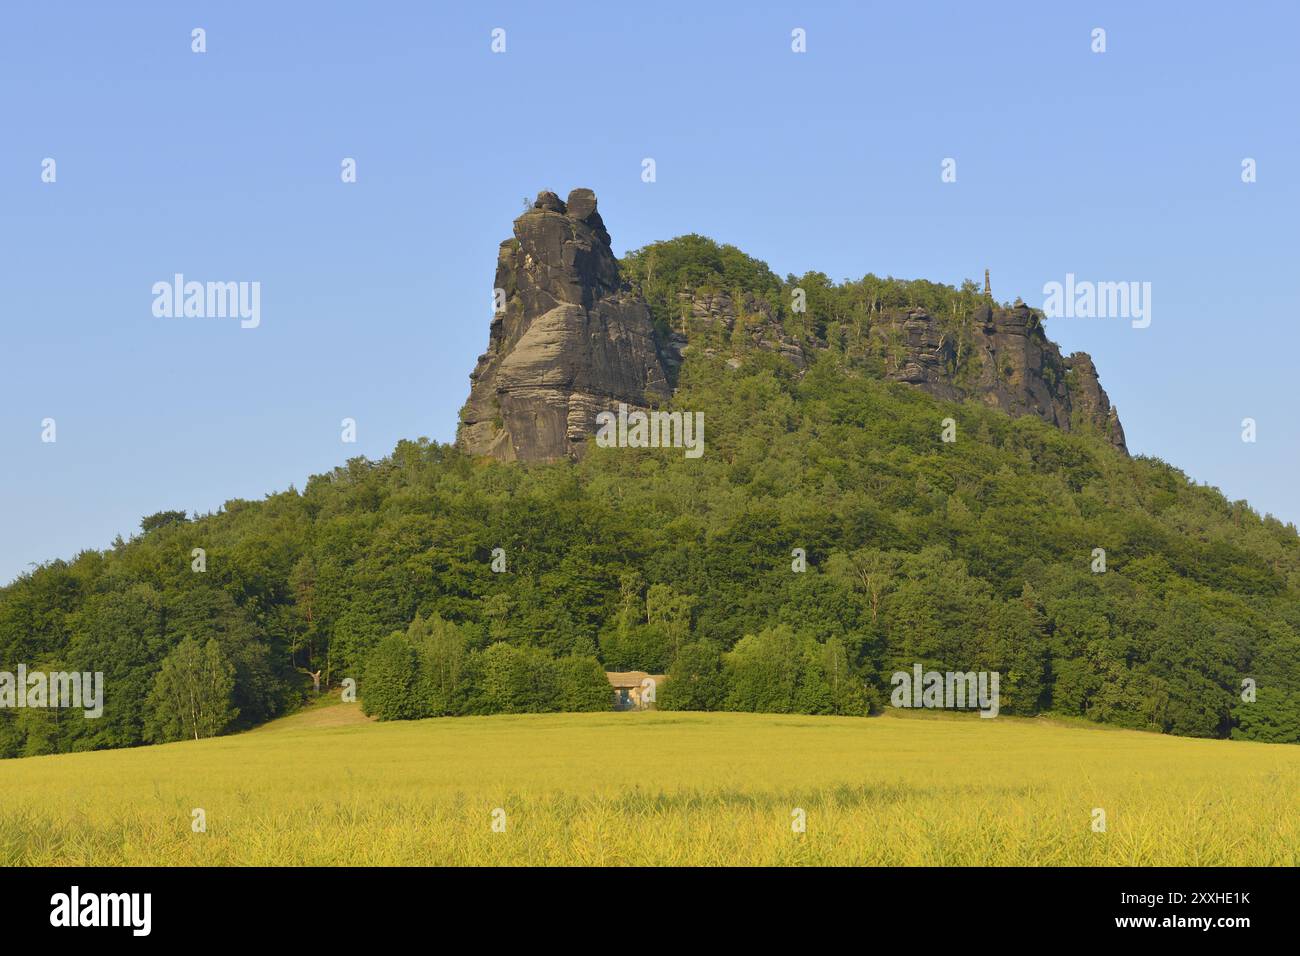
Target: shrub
x,y
695,680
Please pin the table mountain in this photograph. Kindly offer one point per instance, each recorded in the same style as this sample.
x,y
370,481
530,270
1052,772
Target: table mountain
x,y
573,337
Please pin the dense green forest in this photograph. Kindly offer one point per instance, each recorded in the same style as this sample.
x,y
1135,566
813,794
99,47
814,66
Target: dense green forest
x,y
976,554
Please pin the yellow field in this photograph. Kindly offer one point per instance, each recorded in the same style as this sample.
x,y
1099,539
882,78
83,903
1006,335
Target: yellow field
x,y
328,787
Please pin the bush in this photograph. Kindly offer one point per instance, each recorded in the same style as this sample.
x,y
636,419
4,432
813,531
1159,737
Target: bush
x,y
1273,717
516,680
695,680
781,672
583,685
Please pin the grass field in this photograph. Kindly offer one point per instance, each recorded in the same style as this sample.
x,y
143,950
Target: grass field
x,y
328,787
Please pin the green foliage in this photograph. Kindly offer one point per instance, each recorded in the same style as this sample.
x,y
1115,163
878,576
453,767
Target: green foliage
x,y
1274,717
662,270
432,670
857,320
697,262
442,652
582,685
695,680
160,519
779,671
516,680
192,693
637,647
388,690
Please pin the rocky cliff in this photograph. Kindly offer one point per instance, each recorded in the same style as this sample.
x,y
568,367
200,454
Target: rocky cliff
x,y
573,339
1010,363
1002,357
570,339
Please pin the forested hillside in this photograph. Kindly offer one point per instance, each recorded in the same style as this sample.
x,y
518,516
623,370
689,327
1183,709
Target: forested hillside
x,y
975,554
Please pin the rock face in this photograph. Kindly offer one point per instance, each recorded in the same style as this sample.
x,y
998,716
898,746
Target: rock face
x,y
574,340
571,341
1016,368
1089,399
763,330
1019,370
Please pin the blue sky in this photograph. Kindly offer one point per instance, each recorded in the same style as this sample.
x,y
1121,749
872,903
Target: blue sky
x,y
376,295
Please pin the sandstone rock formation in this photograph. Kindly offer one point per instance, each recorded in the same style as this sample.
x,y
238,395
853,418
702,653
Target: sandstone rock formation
x,y
571,341
1019,370
574,340
1016,367
764,329
1089,400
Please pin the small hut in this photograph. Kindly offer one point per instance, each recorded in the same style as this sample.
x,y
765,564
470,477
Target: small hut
x,y
634,690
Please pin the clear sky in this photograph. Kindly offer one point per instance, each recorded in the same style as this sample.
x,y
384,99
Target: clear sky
x,y
376,295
